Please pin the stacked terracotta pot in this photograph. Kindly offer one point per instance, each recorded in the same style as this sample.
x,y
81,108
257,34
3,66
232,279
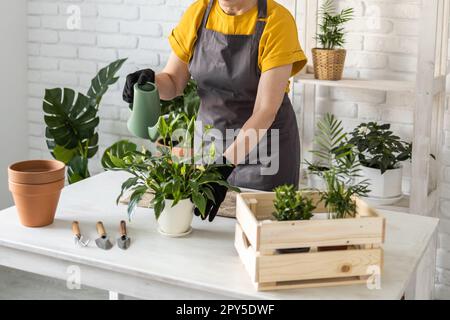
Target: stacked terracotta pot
x,y
36,186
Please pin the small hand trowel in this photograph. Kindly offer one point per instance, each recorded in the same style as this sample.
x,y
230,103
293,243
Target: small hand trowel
x,y
123,241
103,242
78,239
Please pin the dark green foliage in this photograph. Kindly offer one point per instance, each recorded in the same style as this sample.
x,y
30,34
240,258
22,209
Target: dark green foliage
x,y
334,151
291,204
331,32
378,147
72,120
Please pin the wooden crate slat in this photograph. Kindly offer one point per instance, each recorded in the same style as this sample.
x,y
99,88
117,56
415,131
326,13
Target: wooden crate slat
x,y
314,283
246,252
317,265
247,220
321,233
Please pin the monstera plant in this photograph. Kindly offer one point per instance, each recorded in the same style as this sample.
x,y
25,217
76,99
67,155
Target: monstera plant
x,y
72,120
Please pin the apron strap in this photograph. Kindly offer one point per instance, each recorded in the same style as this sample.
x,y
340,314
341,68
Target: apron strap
x,y
262,9
206,15
261,23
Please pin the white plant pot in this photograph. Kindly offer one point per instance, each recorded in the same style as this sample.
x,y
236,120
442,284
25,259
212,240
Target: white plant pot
x,y
176,221
316,182
384,186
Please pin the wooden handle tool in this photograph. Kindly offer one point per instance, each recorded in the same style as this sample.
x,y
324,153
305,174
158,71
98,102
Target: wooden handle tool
x,y
101,229
76,229
123,228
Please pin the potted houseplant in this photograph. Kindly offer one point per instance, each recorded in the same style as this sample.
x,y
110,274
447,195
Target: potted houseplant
x,y
72,120
380,153
329,58
332,150
292,205
176,185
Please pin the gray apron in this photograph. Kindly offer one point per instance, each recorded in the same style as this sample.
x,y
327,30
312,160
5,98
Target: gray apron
x,y
226,70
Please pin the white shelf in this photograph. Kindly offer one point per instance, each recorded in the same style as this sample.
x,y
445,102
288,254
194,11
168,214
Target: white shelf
x,y
400,206
380,85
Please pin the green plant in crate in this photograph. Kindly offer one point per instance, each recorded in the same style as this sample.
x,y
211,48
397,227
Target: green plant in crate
x,y
378,147
291,204
339,197
71,120
162,176
331,33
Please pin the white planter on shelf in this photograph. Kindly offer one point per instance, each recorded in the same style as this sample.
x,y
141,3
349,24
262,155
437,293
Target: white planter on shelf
x,y
316,182
176,221
385,188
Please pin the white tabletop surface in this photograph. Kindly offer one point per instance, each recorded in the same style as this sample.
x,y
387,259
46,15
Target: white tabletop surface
x,y
205,260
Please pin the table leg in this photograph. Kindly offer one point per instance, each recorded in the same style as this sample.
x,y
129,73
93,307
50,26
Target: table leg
x,y
115,296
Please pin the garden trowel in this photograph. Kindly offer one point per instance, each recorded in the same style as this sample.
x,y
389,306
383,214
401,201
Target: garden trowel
x,y
123,241
103,242
78,238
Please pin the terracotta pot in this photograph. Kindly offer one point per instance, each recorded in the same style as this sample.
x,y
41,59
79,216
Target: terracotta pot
x,y
36,203
36,171
176,151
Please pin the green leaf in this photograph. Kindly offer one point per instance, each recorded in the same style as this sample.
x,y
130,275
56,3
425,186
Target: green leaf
x,y
69,120
113,157
101,82
77,169
135,197
200,202
62,154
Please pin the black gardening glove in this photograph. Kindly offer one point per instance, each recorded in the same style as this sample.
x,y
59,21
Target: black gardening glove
x,y
140,77
219,194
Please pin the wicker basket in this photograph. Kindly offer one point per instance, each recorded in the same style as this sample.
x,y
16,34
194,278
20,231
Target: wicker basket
x,y
328,64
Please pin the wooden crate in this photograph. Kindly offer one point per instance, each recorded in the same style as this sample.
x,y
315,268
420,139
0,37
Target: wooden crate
x,y
342,251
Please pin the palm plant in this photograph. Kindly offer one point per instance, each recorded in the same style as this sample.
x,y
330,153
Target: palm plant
x,y
71,120
331,33
334,151
339,197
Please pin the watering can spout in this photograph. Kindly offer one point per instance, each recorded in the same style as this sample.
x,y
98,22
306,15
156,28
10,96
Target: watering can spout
x,y
145,111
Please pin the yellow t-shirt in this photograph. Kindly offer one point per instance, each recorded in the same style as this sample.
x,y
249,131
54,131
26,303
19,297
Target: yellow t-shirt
x,y
279,44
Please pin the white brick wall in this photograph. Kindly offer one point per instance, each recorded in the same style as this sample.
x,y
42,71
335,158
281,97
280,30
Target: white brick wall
x,y
382,44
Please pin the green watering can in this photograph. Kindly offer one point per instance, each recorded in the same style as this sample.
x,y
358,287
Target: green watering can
x,y
146,110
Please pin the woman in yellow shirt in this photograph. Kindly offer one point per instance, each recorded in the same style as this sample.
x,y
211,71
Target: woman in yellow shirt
x,y
242,54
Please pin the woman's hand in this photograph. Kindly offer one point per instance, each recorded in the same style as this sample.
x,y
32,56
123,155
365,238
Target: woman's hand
x,y
219,192
140,77
170,82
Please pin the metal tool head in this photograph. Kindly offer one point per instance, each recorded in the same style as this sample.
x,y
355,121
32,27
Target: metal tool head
x,y
123,242
81,241
103,243
78,238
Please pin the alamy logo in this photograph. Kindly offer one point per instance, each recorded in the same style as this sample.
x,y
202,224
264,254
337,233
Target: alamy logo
x,y
73,281
74,19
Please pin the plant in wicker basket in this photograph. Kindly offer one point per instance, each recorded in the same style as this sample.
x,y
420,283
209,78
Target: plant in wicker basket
x,y
329,58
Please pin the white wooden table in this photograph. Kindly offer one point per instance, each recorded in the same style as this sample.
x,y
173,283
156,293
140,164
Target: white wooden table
x,y
203,265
